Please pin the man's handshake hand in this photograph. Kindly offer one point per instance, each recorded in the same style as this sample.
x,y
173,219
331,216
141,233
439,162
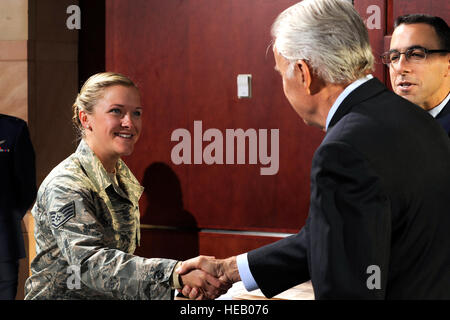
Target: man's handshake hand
x,y
205,277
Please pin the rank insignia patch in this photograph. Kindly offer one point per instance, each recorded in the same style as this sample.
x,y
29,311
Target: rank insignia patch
x,y
63,215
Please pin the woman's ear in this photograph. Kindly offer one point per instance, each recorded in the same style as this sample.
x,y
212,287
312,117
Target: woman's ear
x,y
84,119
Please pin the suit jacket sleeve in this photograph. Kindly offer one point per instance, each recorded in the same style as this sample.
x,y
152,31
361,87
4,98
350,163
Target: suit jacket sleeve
x,y
350,226
280,265
24,171
347,232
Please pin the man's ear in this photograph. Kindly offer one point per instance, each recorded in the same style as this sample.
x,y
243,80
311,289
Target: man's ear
x,y
304,74
311,82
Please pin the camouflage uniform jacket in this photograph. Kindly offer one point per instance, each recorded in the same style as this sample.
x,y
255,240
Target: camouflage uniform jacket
x,y
86,230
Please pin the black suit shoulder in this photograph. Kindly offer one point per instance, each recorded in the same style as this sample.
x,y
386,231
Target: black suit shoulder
x,y
11,119
10,124
382,114
387,124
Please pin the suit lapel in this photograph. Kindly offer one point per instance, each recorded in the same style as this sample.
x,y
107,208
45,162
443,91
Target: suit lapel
x,y
360,94
444,118
444,112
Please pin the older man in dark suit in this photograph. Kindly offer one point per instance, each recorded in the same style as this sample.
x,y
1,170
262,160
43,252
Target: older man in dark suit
x,y
379,220
419,64
17,193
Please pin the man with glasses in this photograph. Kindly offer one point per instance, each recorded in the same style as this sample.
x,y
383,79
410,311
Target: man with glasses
x,y
419,61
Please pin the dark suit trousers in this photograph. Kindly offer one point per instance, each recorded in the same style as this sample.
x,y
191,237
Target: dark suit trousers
x,y
9,271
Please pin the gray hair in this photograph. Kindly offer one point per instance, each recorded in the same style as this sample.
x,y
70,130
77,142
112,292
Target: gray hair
x,y
328,34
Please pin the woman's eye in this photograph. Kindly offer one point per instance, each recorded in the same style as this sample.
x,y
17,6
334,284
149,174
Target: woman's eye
x,y
115,110
137,113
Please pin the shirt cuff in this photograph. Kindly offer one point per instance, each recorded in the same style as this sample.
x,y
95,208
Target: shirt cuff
x,y
175,281
245,273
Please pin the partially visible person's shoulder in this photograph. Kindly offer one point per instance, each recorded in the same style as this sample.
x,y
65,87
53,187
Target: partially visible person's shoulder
x,y
393,106
7,122
385,124
11,119
383,117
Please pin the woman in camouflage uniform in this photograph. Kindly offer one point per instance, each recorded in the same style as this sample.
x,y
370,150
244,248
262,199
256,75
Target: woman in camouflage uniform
x,y
87,215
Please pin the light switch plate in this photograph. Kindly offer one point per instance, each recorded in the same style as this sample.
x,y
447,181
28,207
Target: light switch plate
x,y
244,85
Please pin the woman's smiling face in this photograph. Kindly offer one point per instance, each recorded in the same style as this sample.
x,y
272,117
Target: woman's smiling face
x,y
115,124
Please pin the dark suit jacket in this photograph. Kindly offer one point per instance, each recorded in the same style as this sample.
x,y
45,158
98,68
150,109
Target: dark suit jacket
x,y
380,190
444,118
17,184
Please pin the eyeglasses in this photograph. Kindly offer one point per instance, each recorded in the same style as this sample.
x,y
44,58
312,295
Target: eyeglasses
x,y
413,54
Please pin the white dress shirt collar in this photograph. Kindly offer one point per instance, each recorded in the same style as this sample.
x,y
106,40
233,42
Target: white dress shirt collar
x,y
436,110
344,95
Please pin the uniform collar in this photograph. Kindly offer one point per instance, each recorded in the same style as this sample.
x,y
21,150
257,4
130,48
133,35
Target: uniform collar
x,y
99,176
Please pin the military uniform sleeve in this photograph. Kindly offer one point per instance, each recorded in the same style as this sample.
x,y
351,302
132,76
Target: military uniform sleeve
x,y
85,243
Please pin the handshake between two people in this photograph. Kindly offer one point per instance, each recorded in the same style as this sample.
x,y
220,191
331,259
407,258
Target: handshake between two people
x,y
205,277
